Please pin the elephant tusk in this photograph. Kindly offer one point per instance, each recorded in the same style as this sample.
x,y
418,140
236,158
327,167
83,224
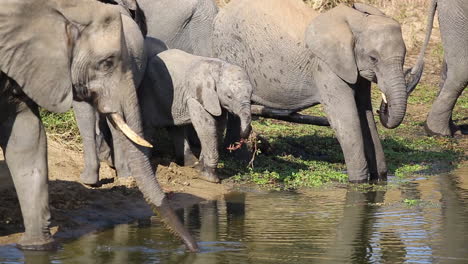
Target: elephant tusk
x,y
119,123
384,98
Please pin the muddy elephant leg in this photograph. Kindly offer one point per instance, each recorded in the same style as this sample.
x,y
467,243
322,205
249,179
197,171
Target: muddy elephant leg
x,y
205,126
340,107
25,151
372,145
85,115
440,116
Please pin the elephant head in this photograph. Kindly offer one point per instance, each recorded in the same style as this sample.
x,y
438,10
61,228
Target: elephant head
x,y
235,91
57,51
363,42
227,86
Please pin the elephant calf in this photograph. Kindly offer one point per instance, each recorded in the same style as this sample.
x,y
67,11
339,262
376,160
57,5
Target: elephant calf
x,y
182,89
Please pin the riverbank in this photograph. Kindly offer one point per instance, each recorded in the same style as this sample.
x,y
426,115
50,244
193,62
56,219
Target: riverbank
x,y
297,156
78,209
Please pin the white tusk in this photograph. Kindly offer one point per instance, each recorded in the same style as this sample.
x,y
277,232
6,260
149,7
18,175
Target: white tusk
x,y
118,121
384,98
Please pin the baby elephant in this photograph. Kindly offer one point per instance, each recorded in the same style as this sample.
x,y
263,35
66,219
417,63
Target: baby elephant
x,y
182,89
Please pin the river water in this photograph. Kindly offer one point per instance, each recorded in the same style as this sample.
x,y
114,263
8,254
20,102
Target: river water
x,y
421,221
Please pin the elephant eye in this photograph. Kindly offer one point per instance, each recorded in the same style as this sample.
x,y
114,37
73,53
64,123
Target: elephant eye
x,y
373,59
106,64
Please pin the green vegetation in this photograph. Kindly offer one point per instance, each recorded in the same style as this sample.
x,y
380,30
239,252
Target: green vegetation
x,y
310,156
62,128
411,202
302,155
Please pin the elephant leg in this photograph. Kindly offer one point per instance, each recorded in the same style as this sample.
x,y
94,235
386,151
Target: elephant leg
x,y
120,162
191,145
373,147
104,141
205,126
439,118
341,110
25,151
178,138
85,115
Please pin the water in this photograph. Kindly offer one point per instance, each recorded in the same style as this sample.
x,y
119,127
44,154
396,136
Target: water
x,y
422,221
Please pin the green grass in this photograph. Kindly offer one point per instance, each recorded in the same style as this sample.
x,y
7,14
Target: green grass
x,y
62,128
310,156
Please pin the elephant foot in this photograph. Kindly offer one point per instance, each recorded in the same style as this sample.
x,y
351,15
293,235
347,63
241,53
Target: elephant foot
x,y
190,160
444,131
358,177
209,175
358,181
43,244
90,177
378,177
124,173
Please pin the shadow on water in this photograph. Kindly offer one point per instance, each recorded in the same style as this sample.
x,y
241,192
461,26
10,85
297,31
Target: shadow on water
x,y
322,226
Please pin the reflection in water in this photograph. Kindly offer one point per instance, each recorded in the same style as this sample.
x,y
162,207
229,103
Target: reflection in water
x,y
320,226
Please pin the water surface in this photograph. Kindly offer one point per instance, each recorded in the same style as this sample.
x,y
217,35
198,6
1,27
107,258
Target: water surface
x,y
421,221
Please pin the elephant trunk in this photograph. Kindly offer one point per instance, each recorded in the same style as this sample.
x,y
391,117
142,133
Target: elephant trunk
x,y
393,106
138,158
245,120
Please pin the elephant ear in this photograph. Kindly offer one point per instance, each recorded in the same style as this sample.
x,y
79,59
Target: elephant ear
x,y
368,9
207,96
329,37
36,43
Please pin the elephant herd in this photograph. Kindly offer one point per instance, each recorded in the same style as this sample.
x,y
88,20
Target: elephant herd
x,y
131,66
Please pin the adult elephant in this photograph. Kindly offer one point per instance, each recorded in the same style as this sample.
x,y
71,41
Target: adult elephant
x,y
52,51
297,58
453,20
188,25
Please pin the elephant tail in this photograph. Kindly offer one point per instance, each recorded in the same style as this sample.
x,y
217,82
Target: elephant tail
x,y
414,74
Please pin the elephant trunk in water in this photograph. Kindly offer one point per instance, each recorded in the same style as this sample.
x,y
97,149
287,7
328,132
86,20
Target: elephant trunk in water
x,y
143,171
393,105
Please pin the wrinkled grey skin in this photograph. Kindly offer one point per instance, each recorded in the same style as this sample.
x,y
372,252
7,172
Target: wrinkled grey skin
x,y
79,53
93,127
181,89
453,20
334,63
183,24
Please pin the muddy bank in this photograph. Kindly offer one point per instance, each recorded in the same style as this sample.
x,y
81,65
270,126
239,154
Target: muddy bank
x,y
78,209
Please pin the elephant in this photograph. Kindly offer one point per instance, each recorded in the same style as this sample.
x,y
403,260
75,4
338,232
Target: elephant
x,y
188,26
182,89
94,128
52,52
297,58
453,20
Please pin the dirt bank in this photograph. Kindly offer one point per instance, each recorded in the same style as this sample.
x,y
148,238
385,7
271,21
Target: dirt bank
x,y
78,209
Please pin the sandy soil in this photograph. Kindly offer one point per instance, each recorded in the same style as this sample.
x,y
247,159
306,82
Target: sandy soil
x,y
78,209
